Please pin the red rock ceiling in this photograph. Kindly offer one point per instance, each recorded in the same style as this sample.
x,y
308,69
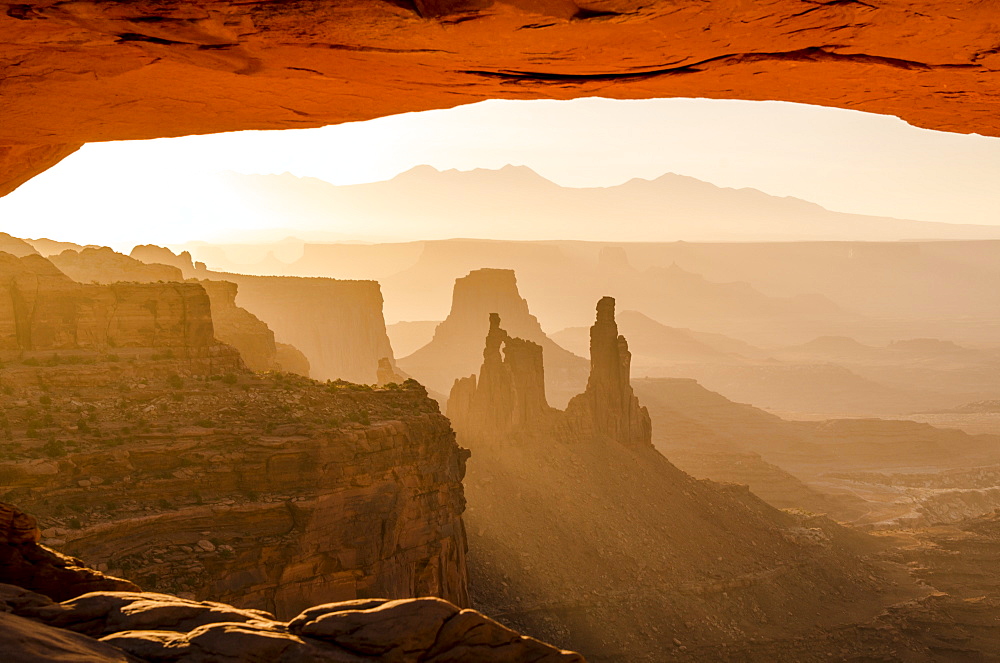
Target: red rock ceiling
x,y
73,72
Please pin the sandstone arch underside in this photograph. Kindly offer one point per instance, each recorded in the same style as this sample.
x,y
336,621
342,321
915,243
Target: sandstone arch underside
x,y
73,72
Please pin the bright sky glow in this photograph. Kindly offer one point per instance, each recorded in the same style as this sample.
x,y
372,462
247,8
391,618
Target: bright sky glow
x,y
166,191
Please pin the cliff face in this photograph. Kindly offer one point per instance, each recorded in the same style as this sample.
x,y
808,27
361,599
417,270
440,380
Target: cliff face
x,y
337,325
233,324
455,349
42,311
608,409
25,563
243,330
267,491
101,619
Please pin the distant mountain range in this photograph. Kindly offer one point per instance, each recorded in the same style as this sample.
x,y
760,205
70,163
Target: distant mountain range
x,y
517,203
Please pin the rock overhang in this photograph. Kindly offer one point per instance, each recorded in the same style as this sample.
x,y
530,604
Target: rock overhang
x,y
73,72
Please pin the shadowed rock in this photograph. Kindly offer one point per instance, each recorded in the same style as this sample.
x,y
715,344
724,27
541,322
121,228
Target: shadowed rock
x,y
133,626
41,569
509,394
608,409
455,347
508,400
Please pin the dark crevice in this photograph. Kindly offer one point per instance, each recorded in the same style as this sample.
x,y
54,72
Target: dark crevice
x,y
311,71
376,49
459,19
135,36
23,12
814,54
831,3
408,5
536,26
215,47
583,14
297,112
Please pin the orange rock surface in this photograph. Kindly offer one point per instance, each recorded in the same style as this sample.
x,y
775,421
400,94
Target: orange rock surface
x,y
75,71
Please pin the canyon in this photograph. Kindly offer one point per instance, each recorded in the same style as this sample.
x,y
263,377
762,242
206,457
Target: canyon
x,y
55,608
232,324
337,325
670,563
128,429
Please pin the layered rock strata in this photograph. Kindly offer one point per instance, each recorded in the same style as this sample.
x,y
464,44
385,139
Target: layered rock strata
x,y
45,315
54,608
233,324
264,490
77,72
337,325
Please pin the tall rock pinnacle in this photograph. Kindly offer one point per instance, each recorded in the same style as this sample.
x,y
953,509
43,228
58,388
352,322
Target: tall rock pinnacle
x,y
510,393
608,409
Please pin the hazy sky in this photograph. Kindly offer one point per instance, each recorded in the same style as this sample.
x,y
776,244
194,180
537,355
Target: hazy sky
x,y
164,190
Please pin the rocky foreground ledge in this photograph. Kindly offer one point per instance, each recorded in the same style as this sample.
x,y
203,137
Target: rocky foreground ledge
x,y
133,626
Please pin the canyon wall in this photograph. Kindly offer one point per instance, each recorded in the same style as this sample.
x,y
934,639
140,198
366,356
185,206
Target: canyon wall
x,y
42,312
337,325
233,324
55,608
264,490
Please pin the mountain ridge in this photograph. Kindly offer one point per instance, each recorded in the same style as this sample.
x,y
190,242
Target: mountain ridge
x,y
513,201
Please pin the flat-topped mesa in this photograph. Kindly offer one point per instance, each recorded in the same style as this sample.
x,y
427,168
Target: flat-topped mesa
x,y
609,409
44,313
509,396
336,324
455,347
233,325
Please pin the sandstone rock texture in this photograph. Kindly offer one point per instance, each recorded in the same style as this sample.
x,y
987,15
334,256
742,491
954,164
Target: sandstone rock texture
x,y
43,313
40,569
232,324
337,325
104,627
76,71
455,350
263,490
54,608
